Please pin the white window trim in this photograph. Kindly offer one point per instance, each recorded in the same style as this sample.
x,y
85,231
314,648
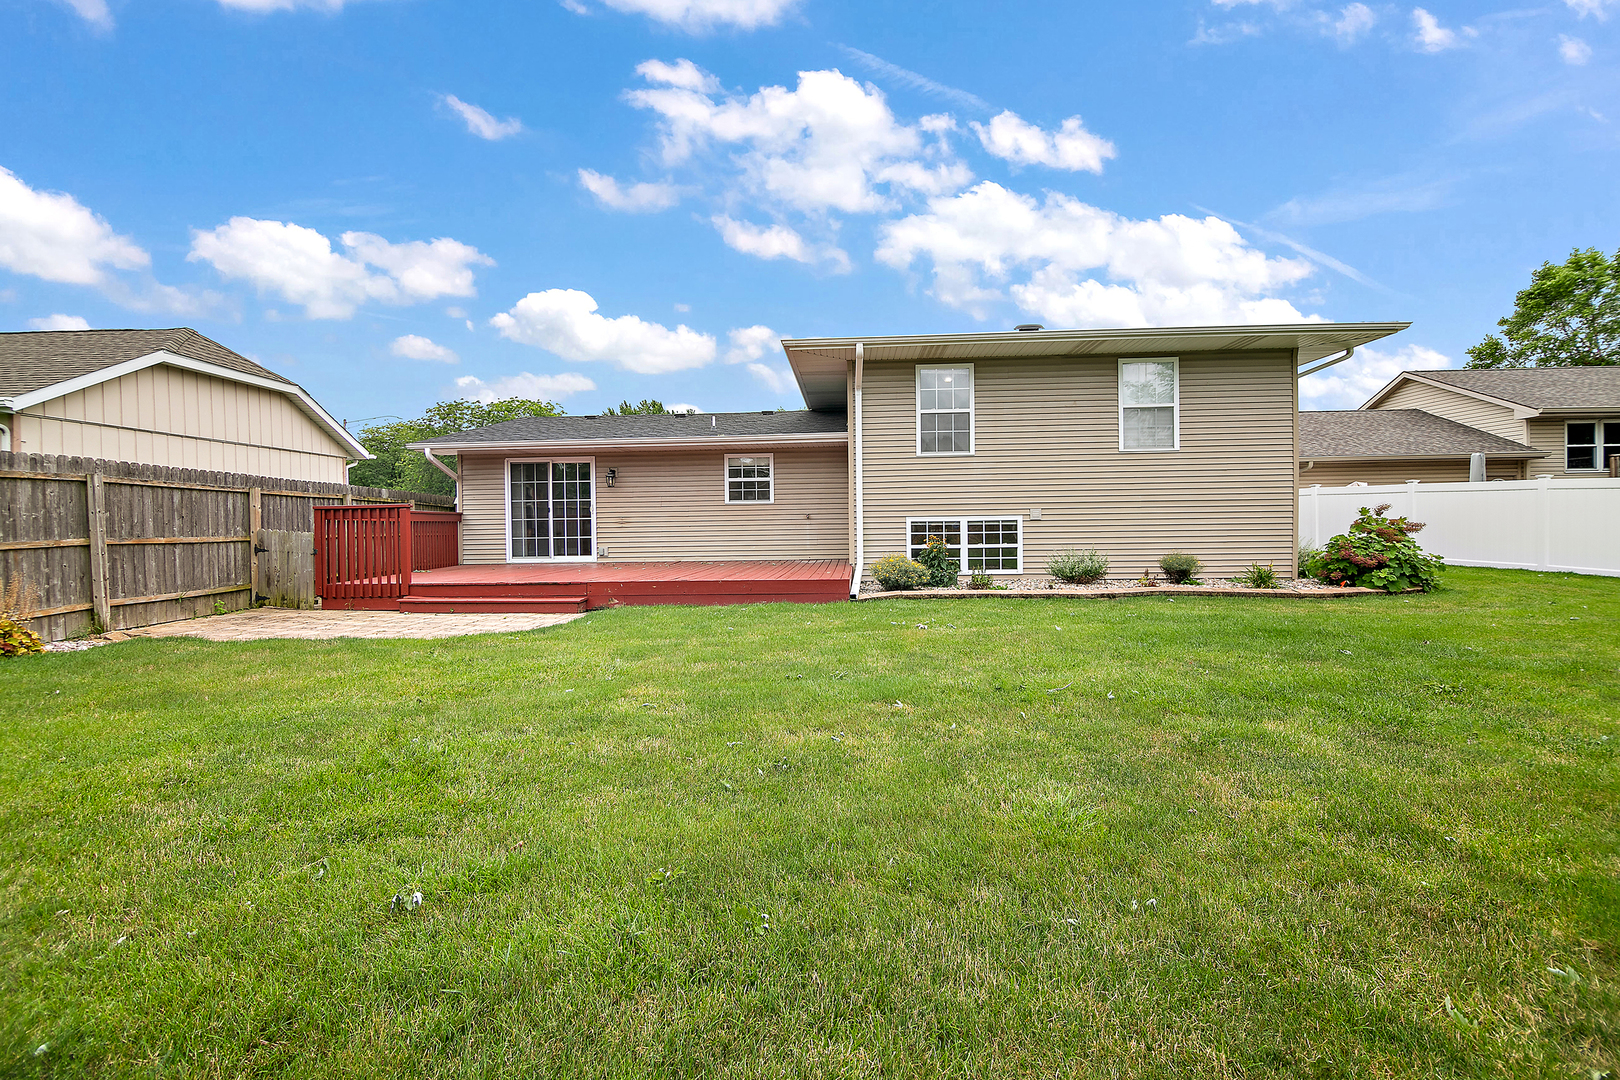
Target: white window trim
x,y
725,480
1600,433
973,409
962,520
1175,404
506,485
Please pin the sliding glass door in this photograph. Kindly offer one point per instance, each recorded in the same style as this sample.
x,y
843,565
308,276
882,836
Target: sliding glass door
x,y
550,510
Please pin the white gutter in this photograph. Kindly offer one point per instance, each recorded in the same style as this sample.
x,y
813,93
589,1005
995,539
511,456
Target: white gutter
x,y
1329,362
860,476
455,478
830,438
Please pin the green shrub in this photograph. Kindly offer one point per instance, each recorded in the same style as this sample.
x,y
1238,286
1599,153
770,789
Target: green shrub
x,y
16,639
942,569
1378,553
1181,568
1078,567
1308,550
981,581
896,572
1259,577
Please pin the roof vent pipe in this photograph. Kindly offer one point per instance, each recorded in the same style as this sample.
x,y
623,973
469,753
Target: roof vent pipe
x,y
1025,328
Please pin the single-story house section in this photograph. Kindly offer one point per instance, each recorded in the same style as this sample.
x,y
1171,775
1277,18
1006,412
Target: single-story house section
x,y
1012,446
1392,446
163,397
1570,415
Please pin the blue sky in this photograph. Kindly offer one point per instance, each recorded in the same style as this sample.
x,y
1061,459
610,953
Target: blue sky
x,y
394,202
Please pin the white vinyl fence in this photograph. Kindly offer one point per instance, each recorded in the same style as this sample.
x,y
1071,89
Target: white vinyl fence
x,y
1568,525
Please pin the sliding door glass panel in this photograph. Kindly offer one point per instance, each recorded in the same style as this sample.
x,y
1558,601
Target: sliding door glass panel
x,y
571,533
531,526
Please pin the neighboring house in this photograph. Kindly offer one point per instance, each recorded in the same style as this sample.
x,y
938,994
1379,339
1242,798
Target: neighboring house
x,y
163,397
1570,415
1392,446
1012,446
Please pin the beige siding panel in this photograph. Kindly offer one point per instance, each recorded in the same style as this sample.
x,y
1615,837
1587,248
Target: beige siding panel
x,y
1496,419
1548,435
168,416
672,506
1047,437
1400,470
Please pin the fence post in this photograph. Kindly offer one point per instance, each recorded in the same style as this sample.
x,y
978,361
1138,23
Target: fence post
x,y
1411,500
1316,515
100,597
1544,507
255,521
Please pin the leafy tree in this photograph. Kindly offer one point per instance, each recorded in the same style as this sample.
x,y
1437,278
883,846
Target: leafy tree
x,y
646,408
1568,317
408,470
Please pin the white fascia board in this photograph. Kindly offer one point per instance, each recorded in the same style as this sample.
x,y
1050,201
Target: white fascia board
x,y
609,445
1520,412
117,371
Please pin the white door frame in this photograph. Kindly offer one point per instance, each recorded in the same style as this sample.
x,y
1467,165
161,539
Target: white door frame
x,y
506,487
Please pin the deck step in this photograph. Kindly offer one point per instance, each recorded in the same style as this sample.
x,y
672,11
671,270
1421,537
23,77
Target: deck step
x,y
484,605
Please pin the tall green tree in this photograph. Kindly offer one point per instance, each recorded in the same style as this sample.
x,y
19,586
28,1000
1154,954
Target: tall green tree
x,y
407,470
646,408
1568,317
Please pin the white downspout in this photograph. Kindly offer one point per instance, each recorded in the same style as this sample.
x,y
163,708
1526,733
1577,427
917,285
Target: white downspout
x,y
448,471
860,477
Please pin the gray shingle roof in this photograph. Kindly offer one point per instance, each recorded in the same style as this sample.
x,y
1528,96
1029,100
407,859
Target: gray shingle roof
x,y
542,429
33,360
1540,388
1395,433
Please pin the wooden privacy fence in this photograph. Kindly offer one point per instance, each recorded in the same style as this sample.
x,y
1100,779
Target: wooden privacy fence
x,y
122,545
367,553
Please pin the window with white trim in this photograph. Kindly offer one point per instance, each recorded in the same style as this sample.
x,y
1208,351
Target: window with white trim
x,y
991,544
749,479
945,410
1589,444
1150,404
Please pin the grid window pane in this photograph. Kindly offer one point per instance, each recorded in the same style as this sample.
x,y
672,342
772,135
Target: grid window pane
x,y
531,528
748,479
1150,428
992,545
946,433
945,410
947,530
1147,384
571,525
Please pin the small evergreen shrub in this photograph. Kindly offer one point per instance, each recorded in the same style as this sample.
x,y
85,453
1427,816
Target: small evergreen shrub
x,y
942,569
16,639
1259,577
981,581
896,573
1078,567
1378,553
1181,568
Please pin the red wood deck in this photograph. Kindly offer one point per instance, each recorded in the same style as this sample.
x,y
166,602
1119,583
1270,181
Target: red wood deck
x,y
530,587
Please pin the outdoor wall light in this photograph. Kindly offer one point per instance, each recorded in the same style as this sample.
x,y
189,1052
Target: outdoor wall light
x,y
612,475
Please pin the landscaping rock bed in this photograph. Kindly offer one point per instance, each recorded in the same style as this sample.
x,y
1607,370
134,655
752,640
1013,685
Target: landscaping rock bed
x,y
1036,586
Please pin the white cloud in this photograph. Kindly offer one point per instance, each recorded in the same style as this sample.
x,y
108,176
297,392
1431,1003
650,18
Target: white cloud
x,y
1171,271
565,322
751,343
829,144
767,242
1429,35
696,16
481,123
417,347
1598,8
1352,24
525,385
93,12
682,407
635,199
1574,51
1071,147
1350,384
59,322
50,235
777,379
299,264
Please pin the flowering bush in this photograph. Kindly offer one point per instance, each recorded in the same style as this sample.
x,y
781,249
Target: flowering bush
x,y
896,572
16,639
942,569
1377,553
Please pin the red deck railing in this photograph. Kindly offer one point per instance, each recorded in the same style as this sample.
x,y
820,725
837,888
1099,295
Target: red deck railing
x,y
368,552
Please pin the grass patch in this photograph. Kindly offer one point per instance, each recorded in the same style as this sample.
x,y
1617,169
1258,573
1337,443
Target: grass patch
x,y
1146,837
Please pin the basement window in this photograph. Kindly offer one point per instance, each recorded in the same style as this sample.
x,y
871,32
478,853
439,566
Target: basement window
x,y
991,545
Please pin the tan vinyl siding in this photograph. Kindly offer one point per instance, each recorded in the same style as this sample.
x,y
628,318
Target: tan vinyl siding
x,y
671,505
1496,419
1547,433
169,416
1400,470
1047,437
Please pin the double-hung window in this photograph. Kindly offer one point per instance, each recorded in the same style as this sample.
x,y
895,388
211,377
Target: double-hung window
x,y
1150,404
945,410
748,479
977,544
1590,444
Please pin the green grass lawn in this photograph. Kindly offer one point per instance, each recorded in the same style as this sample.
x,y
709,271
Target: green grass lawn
x,y
1148,837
